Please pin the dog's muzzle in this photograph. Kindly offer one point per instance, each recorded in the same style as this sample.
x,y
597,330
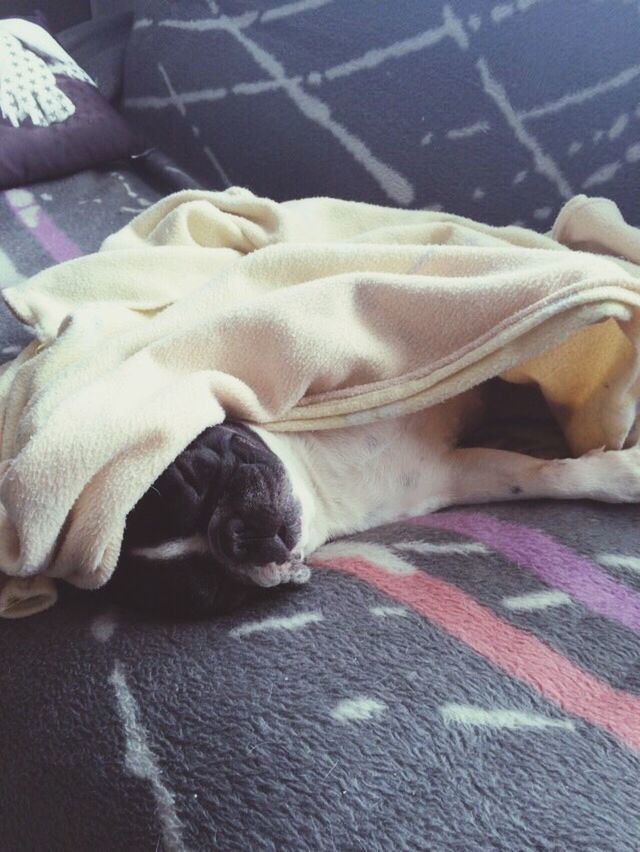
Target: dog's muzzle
x,y
230,491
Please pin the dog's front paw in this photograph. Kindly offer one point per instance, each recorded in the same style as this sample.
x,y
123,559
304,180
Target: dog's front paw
x,y
275,574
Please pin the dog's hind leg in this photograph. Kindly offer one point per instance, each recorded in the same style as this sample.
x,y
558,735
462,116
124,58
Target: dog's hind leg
x,y
479,475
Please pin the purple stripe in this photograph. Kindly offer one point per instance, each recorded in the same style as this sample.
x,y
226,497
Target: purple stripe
x,y
54,241
28,212
550,561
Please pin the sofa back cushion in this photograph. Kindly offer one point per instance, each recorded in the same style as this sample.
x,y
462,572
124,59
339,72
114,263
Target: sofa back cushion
x,y
498,111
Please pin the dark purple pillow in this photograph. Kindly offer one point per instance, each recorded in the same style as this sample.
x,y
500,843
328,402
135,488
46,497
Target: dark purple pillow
x,y
53,119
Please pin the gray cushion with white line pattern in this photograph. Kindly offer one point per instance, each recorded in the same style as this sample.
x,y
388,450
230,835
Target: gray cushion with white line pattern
x,y
495,111
482,703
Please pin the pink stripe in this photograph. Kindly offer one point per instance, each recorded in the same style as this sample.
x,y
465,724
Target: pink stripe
x,y
55,242
550,561
517,653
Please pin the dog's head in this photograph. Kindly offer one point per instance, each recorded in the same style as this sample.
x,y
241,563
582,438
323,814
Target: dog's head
x,y
220,521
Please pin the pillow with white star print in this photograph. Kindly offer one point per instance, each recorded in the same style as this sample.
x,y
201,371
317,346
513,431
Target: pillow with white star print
x,y
53,119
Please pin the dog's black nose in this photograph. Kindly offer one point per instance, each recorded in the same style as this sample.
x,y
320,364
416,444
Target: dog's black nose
x,y
236,543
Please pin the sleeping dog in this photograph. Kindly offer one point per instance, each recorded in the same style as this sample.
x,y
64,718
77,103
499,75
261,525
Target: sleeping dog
x,y
241,507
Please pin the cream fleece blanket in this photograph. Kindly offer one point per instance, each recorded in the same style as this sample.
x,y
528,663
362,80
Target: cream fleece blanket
x,y
310,314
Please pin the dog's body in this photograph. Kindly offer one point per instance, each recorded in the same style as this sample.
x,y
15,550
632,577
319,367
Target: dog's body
x,y
263,501
352,479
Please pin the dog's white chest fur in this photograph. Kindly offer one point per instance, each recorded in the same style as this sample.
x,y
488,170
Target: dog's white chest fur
x,y
352,479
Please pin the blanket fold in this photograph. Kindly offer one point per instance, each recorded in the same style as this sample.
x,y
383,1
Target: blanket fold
x,y
309,314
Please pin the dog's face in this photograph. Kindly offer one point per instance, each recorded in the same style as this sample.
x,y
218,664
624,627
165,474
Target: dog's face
x,y
220,521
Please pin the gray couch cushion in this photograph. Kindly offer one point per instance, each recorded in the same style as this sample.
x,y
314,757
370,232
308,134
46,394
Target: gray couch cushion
x,y
499,112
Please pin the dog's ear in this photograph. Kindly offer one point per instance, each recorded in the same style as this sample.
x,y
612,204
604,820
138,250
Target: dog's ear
x,y
183,498
241,442
187,587
180,501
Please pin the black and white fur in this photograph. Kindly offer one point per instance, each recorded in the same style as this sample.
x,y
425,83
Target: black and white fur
x,y
242,507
